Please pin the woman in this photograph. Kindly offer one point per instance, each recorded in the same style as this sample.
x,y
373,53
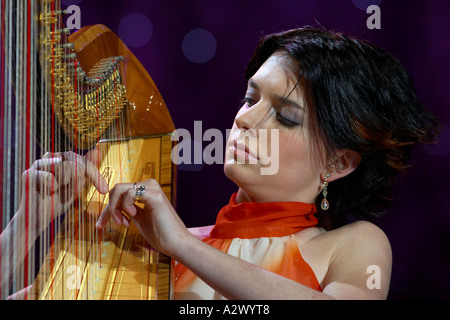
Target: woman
x,y
346,117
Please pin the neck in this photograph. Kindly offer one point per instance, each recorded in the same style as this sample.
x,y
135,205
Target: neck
x,y
243,196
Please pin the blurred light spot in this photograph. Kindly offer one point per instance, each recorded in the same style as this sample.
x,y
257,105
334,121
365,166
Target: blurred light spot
x,y
135,29
199,46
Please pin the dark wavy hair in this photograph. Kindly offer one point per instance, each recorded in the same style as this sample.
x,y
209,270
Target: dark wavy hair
x,y
359,98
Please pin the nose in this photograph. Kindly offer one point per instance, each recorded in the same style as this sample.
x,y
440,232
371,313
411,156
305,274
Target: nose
x,y
251,117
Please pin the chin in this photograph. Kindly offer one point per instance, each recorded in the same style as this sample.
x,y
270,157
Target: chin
x,y
233,172
245,176
240,174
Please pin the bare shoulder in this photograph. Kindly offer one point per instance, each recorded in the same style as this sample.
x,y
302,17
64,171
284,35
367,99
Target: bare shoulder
x,y
357,241
361,235
356,234
344,257
361,248
359,228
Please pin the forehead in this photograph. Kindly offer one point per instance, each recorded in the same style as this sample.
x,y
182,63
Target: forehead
x,y
277,78
279,73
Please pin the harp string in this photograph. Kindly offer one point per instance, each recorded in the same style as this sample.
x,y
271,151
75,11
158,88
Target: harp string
x,y
2,123
19,127
31,88
43,130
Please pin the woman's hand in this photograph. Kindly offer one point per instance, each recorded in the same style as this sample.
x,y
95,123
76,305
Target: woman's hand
x,y
157,221
52,184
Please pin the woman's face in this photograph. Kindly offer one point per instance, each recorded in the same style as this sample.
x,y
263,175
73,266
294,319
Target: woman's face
x,y
268,153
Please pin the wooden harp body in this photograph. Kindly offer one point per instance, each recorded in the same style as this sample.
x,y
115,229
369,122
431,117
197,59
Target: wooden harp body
x,y
98,96
118,263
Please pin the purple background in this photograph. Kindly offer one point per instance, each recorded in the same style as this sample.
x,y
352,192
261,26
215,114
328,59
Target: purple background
x,y
201,78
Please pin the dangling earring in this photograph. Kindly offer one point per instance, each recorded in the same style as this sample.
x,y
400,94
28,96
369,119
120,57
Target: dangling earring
x,y
325,205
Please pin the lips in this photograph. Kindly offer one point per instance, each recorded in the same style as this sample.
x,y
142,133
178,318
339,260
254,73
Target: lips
x,y
240,149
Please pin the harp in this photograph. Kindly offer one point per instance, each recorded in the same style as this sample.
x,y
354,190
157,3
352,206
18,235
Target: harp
x,y
78,92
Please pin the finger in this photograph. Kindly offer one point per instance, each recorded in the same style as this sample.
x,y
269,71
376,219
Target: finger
x,y
91,171
116,195
103,219
105,216
66,172
125,222
117,216
45,182
95,177
47,164
128,201
114,207
63,170
49,155
96,155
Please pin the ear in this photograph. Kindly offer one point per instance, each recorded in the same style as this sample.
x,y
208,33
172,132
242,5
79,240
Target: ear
x,y
345,162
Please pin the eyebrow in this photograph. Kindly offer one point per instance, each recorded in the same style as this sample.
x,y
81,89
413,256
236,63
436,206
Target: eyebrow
x,y
281,99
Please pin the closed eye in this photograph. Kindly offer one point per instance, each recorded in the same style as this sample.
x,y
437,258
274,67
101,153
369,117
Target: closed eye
x,y
250,102
287,121
284,115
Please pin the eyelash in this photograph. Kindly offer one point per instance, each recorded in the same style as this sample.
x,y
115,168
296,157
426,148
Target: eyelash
x,y
282,120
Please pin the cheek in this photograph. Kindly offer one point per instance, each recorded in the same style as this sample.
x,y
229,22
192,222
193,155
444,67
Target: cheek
x,y
292,152
295,154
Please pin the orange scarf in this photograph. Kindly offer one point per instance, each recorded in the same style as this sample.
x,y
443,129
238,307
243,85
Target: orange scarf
x,y
250,220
